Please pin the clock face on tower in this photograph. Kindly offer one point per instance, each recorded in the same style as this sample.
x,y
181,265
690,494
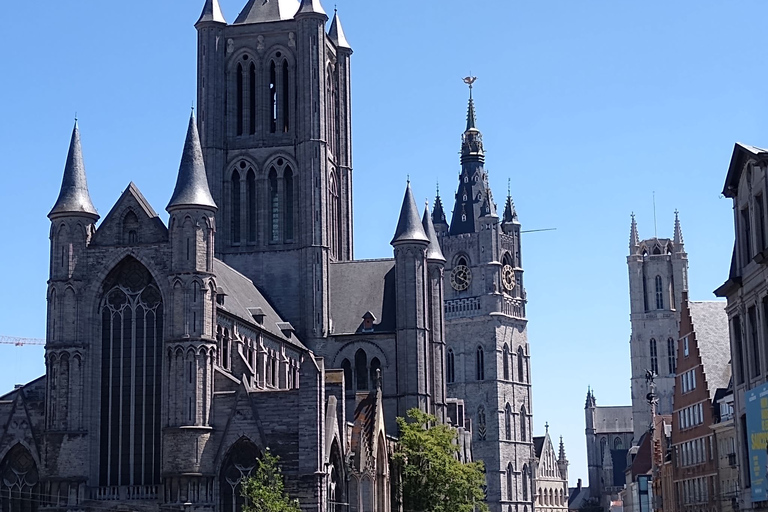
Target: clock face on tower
x,y
508,277
461,276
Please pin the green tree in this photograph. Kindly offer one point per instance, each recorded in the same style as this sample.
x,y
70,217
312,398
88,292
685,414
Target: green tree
x,y
432,477
264,490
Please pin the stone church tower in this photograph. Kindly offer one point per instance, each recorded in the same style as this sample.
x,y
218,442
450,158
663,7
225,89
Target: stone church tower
x,y
658,275
274,125
488,357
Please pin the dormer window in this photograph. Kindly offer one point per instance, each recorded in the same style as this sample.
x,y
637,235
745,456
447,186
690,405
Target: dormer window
x,y
368,319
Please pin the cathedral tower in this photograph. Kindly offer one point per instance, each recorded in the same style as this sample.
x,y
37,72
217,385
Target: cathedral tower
x,y
487,357
658,275
274,104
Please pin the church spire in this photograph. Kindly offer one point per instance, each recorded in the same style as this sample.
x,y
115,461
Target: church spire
x,y
472,139
561,457
336,33
191,183
471,118
409,228
434,253
211,13
634,238
678,238
591,402
310,6
510,214
73,196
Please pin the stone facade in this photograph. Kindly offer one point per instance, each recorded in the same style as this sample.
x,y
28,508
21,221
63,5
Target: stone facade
x,y
551,470
747,292
658,275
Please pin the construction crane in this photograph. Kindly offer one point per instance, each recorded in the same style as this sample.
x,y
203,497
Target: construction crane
x,y
20,342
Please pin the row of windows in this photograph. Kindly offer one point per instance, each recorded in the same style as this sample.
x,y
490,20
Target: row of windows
x,y
247,98
750,247
694,452
691,416
693,490
553,497
671,356
747,357
688,381
280,204
507,364
527,481
272,374
509,428
364,374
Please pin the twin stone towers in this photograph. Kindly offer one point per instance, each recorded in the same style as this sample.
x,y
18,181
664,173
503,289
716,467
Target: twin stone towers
x,y
176,354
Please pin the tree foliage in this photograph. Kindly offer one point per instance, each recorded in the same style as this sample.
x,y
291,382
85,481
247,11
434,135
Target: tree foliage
x,y
433,479
264,490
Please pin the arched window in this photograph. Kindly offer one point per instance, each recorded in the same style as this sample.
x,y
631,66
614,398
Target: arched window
x,y
508,422
252,99
274,205
285,99
335,216
238,466
450,367
19,481
250,204
654,357
240,86
480,364
617,443
235,200
603,445
505,361
272,97
130,228
520,365
510,482
288,192
525,482
462,261
132,342
348,381
671,356
375,371
523,424
659,293
481,426
361,369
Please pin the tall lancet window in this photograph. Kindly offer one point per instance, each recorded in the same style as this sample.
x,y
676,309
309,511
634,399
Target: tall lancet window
x,y
505,361
523,424
450,367
288,193
508,422
131,368
286,98
654,357
250,204
272,97
335,216
235,201
520,365
252,98
274,206
480,364
659,293
239,91
671,356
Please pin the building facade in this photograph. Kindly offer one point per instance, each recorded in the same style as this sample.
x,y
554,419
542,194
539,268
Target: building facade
x,y
746,290
702,369
609,433
658,275
487,352
725,441
551,470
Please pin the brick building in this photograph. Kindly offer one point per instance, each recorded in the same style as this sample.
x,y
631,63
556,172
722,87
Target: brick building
x,y
702,368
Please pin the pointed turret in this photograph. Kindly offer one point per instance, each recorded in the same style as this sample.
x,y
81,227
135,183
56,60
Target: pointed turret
x,y
311,7
634,238
336,33
561,456
259,11
591,402
211,13
73,196
678,237
562,462
434,253
409,228
191,183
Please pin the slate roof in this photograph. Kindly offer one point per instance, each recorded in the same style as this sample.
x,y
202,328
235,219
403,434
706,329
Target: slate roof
x,y
741,153
360,286
242,294
259,11
409,228
192,182
613,419
336,33
538,444
710,323
211,12
434,253
73,195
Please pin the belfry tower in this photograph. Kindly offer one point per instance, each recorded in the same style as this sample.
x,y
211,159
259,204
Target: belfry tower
x,y
488,357
274,123
658,275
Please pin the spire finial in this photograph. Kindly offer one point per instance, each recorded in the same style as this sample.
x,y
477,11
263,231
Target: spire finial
x,y
678,237
546,427
509,187
634,237
470,80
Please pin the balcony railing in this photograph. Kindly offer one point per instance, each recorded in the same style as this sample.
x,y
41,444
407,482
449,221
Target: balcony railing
x,y
125,492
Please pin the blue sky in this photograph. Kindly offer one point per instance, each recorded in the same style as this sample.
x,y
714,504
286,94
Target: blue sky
x,y
587,107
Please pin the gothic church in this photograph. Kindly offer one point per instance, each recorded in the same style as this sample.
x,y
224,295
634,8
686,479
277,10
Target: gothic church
x,y
176,354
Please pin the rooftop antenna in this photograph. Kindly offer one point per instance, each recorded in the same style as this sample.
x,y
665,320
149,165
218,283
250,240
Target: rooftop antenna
x,y
655,235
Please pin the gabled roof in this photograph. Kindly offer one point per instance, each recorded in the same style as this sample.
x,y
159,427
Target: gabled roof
x,y
613,419
261,11
710,323
151,227
741,153
538,445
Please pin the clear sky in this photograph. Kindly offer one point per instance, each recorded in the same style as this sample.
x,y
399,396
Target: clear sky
x,y
587,107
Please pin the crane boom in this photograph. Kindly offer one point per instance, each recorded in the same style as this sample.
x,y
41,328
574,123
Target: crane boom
x,y
19,342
